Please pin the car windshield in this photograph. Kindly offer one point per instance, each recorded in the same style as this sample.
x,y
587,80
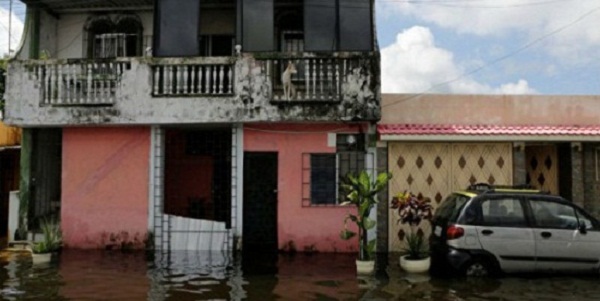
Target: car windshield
x,y
450,208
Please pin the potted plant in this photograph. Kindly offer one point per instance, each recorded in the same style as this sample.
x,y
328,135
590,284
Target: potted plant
x,y
412,210
362,193
50,244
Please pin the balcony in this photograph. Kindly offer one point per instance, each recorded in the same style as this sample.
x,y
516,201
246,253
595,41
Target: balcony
x,y
246,88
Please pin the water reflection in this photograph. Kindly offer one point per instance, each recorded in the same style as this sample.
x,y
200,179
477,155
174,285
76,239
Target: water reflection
x,y
110,275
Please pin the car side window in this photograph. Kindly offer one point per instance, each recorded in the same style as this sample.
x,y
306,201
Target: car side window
x,y
502,212
589,223
553,215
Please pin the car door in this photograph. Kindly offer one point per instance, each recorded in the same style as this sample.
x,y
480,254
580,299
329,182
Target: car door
x,y
504,231
560,245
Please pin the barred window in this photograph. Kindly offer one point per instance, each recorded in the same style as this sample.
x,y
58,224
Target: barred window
x,y
323,174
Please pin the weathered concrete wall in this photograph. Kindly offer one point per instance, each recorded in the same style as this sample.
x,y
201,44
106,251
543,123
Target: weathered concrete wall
x,y
491,109
105,176
305,226
252,100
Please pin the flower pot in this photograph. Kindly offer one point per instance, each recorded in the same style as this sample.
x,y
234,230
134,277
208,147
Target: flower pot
x,y
415,265
365,267
41,258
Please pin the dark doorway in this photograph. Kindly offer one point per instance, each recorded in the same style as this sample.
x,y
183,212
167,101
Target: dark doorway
x,y
198,174
9,181
46,164
260,202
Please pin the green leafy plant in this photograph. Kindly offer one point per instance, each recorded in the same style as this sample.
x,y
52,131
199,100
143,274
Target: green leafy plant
x,y
362,193
52,237
412,210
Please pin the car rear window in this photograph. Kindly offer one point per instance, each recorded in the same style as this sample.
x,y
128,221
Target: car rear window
x,y
450,208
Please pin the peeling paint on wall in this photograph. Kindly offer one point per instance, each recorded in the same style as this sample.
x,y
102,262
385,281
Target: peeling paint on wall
x,y
194,91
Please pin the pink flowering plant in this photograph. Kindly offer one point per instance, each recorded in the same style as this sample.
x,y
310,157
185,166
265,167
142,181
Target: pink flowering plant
x,y
412,210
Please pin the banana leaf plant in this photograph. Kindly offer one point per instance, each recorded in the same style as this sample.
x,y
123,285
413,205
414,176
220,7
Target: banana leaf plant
x,y
362,193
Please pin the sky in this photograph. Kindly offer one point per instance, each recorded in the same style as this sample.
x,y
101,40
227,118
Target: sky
x,y
469,46
490,46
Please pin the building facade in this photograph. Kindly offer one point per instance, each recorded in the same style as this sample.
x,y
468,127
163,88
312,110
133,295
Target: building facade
x,y
548,142
208,124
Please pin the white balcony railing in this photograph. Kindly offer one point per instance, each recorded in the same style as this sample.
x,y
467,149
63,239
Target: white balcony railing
x,y
78,82
181,77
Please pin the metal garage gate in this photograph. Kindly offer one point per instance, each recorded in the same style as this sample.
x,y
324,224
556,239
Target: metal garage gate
x,y
436,169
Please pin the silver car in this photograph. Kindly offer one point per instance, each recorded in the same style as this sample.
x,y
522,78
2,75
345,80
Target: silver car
x,y
487,230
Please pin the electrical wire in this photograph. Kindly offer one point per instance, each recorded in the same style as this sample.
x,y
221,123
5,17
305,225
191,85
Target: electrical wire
x,y
504,57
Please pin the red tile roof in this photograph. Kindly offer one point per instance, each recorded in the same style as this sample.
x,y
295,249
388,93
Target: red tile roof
x,y
488,130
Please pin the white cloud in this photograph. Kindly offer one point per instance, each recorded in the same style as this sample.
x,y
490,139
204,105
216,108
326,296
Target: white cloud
x,y
16,29
572,27
414,64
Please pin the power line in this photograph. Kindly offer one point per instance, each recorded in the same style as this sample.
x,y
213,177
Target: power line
x,y
510,54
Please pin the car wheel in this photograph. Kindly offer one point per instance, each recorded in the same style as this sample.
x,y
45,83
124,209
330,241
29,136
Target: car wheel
x,y
478,268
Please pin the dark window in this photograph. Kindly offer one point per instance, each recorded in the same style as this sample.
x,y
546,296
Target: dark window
x,y
320,25
343,27
216,45
322,179
502,212
217,27
450,208
355,25
257,25
589,222
323,173
553,215
176,28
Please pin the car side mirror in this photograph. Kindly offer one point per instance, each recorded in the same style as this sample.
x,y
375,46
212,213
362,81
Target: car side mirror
x,y
582,229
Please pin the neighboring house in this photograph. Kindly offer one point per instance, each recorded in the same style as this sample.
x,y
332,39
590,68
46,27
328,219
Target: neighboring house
x,y
440,143
10,148
178,118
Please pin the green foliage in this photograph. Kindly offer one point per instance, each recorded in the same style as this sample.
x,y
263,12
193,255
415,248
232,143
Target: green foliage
x,y
362,193
416,246
52,237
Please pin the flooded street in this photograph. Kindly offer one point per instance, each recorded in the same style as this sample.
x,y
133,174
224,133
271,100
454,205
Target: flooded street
x,y
113,275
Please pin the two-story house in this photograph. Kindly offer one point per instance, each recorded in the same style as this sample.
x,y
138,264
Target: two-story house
x,y
206,123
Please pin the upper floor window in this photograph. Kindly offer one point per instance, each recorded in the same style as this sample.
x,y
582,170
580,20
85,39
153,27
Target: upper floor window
x,y
192,28
108,38
342,25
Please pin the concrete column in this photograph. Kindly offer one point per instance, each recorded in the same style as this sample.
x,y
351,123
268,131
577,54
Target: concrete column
x,y
577,187
519,164
591,178
25,176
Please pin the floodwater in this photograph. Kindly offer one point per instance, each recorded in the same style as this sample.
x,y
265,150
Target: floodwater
x,y
116,275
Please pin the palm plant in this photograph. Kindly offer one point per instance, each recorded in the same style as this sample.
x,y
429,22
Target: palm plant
x,y
362,193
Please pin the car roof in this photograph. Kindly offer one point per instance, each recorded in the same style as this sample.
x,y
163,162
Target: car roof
x,y
477,189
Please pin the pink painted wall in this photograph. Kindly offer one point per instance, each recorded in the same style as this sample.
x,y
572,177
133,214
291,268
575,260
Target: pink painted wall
x,y
104,185
305,226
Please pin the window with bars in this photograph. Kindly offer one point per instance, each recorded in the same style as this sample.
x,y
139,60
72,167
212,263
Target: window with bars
x,y
323,173
110,45
108,37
